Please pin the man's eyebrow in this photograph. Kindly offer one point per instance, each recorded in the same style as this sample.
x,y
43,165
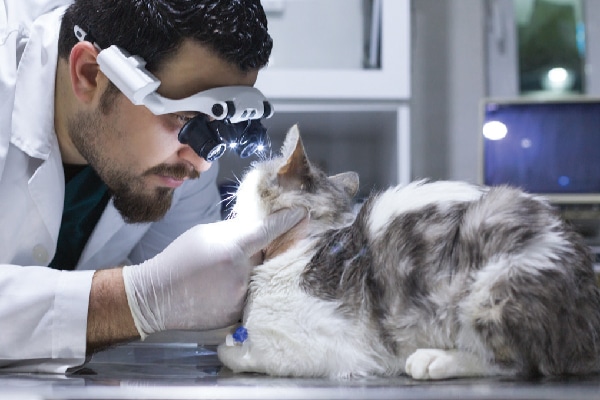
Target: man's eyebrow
x,y
189,114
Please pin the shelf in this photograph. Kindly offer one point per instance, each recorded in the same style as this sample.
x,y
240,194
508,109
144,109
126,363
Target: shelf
x,y
390,82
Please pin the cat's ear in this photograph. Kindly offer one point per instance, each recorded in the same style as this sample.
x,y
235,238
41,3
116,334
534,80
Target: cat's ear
x,y
291,141
295,173
348,181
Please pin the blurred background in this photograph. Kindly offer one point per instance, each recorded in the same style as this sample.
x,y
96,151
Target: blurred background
x,y
399,90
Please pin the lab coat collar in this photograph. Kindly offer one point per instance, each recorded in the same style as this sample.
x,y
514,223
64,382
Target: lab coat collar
x,y
33,113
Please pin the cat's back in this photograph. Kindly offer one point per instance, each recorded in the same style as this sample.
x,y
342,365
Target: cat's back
x,y
447,228
495,268
470,222
415,199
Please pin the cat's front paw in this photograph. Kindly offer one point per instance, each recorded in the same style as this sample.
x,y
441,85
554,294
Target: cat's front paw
x,y
430,364
445,364
233,357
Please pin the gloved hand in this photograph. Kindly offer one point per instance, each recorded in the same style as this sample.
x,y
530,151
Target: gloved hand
x,y
200,280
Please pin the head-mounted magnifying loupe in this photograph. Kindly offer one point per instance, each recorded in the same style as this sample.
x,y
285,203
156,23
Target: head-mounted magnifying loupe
x,y
229,116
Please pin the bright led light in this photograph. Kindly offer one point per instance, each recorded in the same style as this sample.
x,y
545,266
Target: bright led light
x,y
233,145
558,76
558,79
494,130
260,147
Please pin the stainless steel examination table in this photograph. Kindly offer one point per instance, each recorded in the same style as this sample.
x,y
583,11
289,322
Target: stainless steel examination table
x,y
171,370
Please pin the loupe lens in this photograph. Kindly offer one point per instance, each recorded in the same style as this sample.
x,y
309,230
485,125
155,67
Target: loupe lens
x,y
216,152
199,135
227,131
210,139
247,150
254,136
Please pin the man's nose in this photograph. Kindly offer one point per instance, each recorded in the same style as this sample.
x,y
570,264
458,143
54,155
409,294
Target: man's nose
x,y
188,154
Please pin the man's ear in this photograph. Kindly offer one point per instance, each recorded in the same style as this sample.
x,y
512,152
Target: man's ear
x,y
84,71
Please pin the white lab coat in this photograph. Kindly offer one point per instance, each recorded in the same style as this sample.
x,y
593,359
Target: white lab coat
x,y
43,312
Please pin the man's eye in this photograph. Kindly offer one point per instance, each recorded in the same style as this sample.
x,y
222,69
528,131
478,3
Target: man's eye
x,y
183,119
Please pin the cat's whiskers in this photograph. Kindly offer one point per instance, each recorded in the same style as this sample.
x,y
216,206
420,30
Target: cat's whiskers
x,y
228,200
230,196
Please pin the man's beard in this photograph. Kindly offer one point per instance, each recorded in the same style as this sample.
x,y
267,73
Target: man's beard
x,y
131,198
134,203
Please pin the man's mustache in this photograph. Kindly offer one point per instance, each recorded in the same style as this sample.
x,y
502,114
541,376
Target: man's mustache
x,y
175,171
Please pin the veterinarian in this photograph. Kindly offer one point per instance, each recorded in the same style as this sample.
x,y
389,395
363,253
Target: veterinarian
x,y
90,181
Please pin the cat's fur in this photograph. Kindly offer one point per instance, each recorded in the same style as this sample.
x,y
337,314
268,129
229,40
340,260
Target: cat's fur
x,y
433,279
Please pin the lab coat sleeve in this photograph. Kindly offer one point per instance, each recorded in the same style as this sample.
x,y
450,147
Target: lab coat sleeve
x,y
43,315
198,203
43,312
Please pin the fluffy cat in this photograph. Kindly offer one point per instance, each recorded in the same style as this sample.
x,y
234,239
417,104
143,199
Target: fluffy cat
x,y
433,279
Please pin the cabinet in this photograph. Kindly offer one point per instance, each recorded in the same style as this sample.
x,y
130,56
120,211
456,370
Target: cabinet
x,y
341,70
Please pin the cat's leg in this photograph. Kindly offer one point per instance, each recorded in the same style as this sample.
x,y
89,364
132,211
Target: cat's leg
x,y
445,364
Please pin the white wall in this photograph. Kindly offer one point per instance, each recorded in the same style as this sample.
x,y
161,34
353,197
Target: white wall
x,y
305,32
448,81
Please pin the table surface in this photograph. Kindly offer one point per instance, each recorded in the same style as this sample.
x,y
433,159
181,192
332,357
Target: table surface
x,y
192,371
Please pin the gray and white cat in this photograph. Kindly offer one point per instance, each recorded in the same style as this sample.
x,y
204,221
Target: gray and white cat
x,y
432,279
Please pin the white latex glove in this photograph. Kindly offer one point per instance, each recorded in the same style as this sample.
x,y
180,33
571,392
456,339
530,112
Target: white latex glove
x,y
200,280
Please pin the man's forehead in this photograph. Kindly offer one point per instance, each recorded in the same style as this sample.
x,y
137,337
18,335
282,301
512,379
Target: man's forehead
x,y
195,68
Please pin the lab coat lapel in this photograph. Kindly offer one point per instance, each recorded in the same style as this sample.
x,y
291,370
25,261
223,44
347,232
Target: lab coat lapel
x,y
4,126
110,222
111,228
7,83
47,190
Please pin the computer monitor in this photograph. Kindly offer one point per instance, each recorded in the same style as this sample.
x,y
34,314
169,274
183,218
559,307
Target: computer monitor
x,y
548,147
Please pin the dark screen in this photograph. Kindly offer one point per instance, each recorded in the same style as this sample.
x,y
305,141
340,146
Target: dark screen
x,y
548,147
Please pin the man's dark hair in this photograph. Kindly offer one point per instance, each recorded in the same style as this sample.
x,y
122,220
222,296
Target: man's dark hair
x,y
235,30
